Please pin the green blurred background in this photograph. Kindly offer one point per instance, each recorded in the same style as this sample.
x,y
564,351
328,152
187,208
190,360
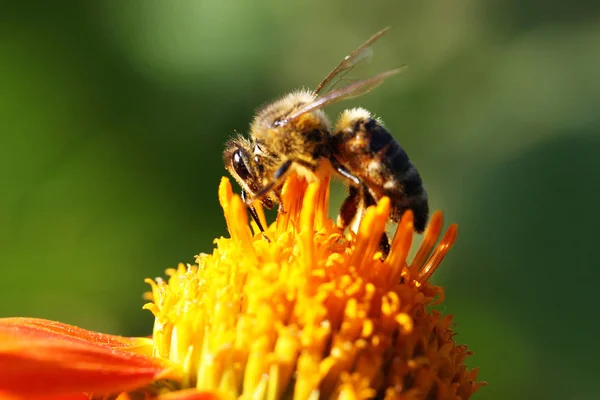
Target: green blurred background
x,y
114,114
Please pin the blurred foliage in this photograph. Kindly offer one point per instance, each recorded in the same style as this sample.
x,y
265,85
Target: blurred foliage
x,y
114,115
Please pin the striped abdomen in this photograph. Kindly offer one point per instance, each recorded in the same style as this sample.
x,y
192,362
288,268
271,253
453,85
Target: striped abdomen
x,y
362,145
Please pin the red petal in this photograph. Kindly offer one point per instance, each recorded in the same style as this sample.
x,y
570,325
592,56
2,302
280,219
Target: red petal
x,y
80,396
190,394
40,358
45,328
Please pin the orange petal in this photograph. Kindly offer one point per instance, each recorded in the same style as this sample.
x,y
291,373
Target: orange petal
x,y
191,394
40,358
79,396
45,328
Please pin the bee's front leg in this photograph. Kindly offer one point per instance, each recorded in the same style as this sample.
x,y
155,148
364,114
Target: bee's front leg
x,y
278,177
254,215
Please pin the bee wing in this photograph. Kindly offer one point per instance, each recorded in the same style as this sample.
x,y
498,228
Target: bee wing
x,y
352,90
358,55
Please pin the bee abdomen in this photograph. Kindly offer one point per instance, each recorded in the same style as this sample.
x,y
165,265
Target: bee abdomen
x,y
370,152
404,186
412,196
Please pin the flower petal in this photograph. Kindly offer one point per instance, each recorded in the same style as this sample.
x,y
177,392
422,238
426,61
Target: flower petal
x,y
45,329
78,396
191,394
40,358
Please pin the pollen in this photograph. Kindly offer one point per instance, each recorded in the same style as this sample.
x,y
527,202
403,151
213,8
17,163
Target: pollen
x,y
312,312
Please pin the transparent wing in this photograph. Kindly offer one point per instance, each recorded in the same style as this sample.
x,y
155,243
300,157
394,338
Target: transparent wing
x,y
358,55
352,90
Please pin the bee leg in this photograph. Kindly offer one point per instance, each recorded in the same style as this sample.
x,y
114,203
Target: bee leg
x,y
384,242
349,208
254,215
351,205
278,176
340,169
384,246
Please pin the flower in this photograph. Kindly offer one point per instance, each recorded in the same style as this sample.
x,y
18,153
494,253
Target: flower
x,y
301,311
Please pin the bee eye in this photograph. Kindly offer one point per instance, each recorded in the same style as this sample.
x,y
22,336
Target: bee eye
x,y
239,166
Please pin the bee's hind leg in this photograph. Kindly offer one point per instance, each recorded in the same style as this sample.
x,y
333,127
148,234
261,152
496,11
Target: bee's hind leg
x,y
384,242
349,209
384,246
354,206
352,211
343,171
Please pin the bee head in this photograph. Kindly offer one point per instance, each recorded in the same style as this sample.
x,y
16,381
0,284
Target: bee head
x,y
238,161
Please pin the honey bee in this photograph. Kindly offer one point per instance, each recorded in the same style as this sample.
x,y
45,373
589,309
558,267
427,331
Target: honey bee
x,y
293,134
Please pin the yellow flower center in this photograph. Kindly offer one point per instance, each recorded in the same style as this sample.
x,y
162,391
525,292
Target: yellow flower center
x,y
312,312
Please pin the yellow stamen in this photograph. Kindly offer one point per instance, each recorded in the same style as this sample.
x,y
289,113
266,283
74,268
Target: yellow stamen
x,y
313,312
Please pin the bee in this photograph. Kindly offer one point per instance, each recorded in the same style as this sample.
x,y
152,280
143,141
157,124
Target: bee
x,y
293,134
